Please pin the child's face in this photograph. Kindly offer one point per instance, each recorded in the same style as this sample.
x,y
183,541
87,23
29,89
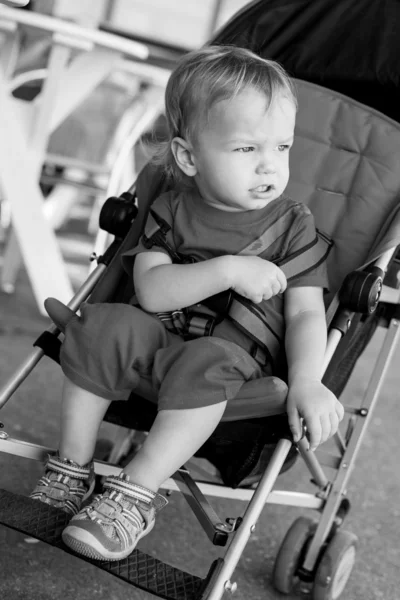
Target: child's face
x,y
241,156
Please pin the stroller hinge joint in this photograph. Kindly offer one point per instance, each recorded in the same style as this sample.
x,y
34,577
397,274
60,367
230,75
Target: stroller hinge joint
x,y
232,524
230,586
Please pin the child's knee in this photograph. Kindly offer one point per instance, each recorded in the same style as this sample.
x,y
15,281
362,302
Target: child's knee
x,y
110,347
202,372
223,355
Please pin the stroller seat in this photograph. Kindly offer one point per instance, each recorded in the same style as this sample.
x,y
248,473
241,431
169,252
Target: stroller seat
x,y
338,171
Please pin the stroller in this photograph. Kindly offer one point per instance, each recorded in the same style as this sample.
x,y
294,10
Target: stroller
x,y
344,166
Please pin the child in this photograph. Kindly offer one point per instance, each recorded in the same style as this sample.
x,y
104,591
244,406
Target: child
x,y
231,118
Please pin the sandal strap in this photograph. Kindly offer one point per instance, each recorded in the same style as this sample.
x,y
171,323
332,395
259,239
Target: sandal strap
x,y
122,485
68,467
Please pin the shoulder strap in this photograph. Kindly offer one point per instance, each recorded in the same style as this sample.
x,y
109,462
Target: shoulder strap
x,y
157,230
307,258
302,261
247,316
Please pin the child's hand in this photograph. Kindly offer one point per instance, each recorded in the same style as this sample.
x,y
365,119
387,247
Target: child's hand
x,y
321,410
256,279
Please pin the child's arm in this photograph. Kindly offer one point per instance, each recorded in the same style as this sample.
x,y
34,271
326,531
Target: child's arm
x,y
163,286
305,343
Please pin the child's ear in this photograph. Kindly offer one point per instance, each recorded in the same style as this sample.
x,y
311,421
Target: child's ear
x,y
183,154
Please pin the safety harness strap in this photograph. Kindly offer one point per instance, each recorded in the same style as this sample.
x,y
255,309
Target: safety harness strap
x,y
307,258
157,230
247,316
251,320
199,325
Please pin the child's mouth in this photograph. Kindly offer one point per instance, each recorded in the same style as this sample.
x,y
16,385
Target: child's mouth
x,y
263,189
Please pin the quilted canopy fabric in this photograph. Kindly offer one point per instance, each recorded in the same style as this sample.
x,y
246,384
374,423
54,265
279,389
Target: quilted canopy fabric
x,y
345,165
351,46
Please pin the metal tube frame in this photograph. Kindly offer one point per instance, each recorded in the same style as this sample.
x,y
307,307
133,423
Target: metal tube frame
x,y
216,530
338,487
336,490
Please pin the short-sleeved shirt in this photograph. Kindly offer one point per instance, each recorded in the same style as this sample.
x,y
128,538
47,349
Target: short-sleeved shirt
x,y
203,232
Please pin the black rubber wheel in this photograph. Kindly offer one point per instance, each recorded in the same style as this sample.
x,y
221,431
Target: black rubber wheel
x,y
291,553
335,566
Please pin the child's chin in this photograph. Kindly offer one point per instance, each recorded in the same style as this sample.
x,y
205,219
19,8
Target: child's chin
x,y
262,199
262,202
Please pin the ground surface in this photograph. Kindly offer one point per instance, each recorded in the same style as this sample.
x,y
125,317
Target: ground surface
x,y
36,571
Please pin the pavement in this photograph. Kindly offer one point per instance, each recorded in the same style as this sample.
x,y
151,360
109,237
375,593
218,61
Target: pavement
x,y
32,571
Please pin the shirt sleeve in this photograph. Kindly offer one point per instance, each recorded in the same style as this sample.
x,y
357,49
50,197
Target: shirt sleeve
x,y
305,233
162,209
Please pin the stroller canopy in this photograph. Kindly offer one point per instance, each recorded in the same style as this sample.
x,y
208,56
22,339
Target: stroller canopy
x,y
351,46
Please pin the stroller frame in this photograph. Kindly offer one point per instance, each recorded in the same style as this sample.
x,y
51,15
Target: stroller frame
x,y
305,555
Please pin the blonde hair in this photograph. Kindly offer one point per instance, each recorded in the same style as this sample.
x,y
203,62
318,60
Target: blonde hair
x,y
206,76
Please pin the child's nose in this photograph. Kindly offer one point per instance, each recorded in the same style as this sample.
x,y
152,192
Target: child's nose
x,y
266,165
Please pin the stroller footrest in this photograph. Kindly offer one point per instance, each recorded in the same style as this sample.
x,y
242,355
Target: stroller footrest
x,y
46,524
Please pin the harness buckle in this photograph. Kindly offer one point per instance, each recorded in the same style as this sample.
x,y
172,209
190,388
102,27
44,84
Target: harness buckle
x,y
200,325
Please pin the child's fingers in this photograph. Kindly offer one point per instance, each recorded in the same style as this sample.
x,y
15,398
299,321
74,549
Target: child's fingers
x,y
282,280
326,428
295,424
339,410
334,418
275,287
314,428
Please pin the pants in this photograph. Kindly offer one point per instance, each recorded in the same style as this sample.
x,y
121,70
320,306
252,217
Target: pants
x,y
110,347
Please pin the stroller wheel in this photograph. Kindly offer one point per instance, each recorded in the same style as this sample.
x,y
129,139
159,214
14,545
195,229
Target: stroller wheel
x,y
335,566
291,553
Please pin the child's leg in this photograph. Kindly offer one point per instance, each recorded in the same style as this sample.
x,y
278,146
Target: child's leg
x,y
107,349
195,381
110,527
175,435
69,477
82,413
173,439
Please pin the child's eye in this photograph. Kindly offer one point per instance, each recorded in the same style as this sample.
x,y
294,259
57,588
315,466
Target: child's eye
x,y
283,147
245,149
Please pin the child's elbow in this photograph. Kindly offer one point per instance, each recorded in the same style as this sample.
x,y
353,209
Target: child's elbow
x,y
146,299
